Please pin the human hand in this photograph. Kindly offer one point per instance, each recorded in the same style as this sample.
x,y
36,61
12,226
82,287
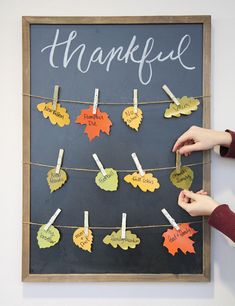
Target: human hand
x,y
197,204
197,139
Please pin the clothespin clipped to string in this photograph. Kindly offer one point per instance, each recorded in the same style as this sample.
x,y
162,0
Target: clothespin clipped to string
x,y
99,164
170,219
123,235
55,97
170,94
177,162
52,219
135,100
86,223
96,99
59,161
137,163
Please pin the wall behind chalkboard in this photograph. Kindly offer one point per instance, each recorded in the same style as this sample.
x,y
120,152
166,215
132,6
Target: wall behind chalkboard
x,y
77,78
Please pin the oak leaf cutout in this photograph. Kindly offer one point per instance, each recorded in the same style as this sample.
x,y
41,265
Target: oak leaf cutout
x,y
58,116
186,106
82,241
49,238
174,240
56,181
146,183
132,119
94,123
131,240
184,179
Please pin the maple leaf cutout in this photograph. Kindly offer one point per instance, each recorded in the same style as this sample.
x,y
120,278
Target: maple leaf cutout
x,y
175,240
94,123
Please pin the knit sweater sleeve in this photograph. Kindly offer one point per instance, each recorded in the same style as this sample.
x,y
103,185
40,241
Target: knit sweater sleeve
x,y
223,219
229,152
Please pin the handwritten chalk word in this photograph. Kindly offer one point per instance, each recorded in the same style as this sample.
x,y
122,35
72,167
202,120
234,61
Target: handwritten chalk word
x,y
142,54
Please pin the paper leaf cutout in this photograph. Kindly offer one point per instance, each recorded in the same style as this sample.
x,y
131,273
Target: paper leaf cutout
x,y
108,182
146,183
186,106
175,240
49,238
56,181
132,119
58,116
94,123
182,180
115,240
81,240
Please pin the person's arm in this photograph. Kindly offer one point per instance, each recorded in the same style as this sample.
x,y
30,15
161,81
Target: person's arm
x,y
221,217
198,139
229,151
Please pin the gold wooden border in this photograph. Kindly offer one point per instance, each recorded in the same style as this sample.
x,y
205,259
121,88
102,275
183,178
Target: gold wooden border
x,y
26,22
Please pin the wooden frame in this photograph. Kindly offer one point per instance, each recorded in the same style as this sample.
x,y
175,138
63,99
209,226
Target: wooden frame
x,y
26,22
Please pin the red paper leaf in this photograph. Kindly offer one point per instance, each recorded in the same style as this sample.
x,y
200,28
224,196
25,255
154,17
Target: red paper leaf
x,y
94,123
175,240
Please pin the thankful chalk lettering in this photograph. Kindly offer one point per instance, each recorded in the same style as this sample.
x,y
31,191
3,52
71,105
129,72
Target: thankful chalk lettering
x,y
142,53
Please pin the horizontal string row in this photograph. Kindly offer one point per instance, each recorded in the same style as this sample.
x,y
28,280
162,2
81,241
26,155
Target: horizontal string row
x,y
120,171
108,103
112,227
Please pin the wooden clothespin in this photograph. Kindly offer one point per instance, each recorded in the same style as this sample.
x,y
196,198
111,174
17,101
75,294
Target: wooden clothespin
x,y
55,97
170,94
59,161
99,164
52,219
135,100
86,223
177,162
170,219
96,99
123,236
137,163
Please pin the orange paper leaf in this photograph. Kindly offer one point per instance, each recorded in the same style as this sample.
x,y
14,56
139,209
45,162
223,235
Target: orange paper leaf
x,y
175,240
94,123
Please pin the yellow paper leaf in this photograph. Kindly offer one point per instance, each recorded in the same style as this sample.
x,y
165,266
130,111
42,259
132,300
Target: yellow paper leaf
x,y
183,179
131,240
58,116
56,181
81,240
132,119
186,106
146,183
49,238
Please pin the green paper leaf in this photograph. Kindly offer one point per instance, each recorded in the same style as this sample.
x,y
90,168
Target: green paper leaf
x,y
183,179
56,181
108,182
49,238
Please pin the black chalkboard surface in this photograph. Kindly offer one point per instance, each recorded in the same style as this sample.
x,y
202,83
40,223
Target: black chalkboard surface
x,y
81,54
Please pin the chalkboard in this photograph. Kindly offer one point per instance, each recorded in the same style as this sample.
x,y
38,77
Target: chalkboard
x,y
172,50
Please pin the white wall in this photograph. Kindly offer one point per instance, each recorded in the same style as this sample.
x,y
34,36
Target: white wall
x,y
221,290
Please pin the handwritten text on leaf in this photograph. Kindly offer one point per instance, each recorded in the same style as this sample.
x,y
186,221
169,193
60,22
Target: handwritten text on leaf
x,y
131,240
94,123
146,183
58,116
174,240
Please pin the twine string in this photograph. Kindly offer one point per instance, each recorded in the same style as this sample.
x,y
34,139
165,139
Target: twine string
x,y
107,103
112,227
119,170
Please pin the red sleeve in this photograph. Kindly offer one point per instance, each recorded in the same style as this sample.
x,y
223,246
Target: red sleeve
x,y
223,219
229,152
